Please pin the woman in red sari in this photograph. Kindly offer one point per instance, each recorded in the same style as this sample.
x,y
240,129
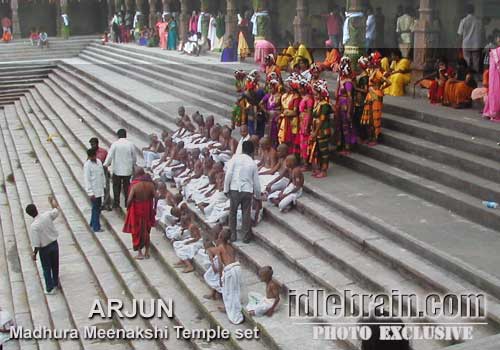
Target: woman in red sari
x,y
162,28
305,119
140,212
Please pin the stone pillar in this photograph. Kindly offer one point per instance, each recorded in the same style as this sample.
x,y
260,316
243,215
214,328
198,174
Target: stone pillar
x,y
263,22
111,11
166,5
16,28
183,20
354,48
152,13
231,19
424,39
301,24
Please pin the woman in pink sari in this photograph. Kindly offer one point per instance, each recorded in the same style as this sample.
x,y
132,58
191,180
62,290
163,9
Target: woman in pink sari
x,y
162,27
492,106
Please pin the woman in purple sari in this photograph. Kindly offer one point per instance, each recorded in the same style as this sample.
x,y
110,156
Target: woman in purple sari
x,y
271,103
345,135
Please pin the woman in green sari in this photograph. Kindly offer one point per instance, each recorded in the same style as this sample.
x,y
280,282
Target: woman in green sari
x,y
172,33
321,130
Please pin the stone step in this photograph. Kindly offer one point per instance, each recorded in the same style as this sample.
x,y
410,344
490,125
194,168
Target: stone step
x,y
172,87
222,82
26,77
473,164
115,223
162,283
441,173
209,63
24,81
112,264
395,254
13,289
458,202
73,265
466,121
37,303
171,259
15,86
442,136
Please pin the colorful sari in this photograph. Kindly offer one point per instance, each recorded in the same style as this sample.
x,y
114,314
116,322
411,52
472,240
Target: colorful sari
x,y
305,107
319,152
162,32
272,104
172,35
289,126
458,94
140,218
492,105
359,104
283,60
372,111
344,131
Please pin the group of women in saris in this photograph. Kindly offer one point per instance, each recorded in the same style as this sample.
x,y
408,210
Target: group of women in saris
x,y
167,32
299,112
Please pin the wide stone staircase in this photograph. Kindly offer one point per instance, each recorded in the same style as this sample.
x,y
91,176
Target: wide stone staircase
x,y
404,215
21,50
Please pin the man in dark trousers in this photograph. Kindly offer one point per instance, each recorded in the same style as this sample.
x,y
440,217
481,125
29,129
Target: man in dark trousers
x,y
241,185
44,239
122,158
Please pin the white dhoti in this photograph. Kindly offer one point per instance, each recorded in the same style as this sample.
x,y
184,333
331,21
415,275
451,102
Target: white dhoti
x,y
187,251
149,157
266,180
168,171
177,233
194,185
181,178
259,304
218,209
223,156
279,185
213,278
199,196
203,259
231,289
289,199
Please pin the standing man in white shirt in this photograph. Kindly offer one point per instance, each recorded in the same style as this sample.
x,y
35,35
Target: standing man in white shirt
x,y
44,240
404,28
122,158
95,180
241,185
470,32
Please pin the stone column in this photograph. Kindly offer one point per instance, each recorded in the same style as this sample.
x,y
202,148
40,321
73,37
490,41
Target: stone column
x,y
231,19
263,22
166,5
111,10
301,24
152,13
424,39
16,28
354,48
183,20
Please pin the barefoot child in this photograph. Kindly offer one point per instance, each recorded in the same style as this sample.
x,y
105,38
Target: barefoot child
x,y
266,176
259,305
230,279
284,178
288,197
187,249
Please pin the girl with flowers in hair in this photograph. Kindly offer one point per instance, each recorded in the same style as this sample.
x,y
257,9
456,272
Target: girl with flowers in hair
x,y
271,67
305,119
345,136
289,119
372,111
319,154
361,90
271,103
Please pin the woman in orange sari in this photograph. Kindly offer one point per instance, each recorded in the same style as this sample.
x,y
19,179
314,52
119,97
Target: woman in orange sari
x,y
374,102
458,93
305,119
